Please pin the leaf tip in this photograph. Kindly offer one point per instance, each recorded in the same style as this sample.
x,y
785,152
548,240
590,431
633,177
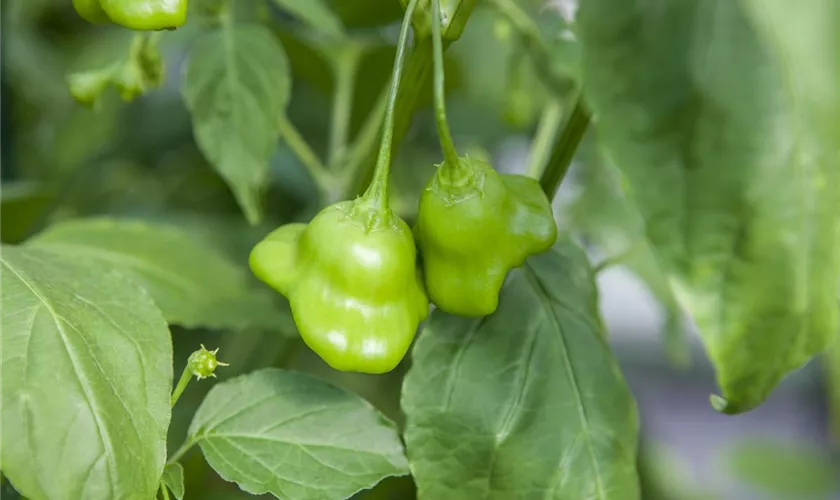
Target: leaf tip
x,y
717,402
722,405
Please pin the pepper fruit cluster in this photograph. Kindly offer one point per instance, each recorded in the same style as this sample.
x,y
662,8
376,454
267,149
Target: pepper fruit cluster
x,y
351,275
134,14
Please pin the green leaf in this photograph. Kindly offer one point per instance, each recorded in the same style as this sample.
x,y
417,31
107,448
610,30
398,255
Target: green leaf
x,y
604,214
236,86
193,283
665,475
316,14
173,478
724,123
366,13
86,375
526,403
782,468
22,204
295,436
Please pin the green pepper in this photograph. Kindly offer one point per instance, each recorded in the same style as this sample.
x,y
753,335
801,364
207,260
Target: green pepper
x,y
146,14
351,279
351,274
91,11
475,226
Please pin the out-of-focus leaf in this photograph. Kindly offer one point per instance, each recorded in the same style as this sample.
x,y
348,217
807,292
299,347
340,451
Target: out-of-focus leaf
x,y
664,475
236,85
602,213
294,436
86,375
486,67
230,234
366,13
22,204
782,468
564,48
527,402
82,135
545,36
724,121
192,283
316,14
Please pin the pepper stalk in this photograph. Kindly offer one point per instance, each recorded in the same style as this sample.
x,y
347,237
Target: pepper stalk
x,y
377,191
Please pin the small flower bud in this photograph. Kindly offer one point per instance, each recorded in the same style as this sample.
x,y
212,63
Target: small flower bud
x,y
203,363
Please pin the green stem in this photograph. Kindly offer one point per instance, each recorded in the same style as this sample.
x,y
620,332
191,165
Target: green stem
x,y
533,42
186,376
546,132
154,37
365,141
377,192
301,149
224,15
450,154
164,492
345,77
564,149
416,74
180,452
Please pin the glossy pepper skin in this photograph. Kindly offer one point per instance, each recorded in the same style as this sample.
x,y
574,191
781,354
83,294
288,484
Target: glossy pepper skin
x,y
146,14
474,229
91,11
351,278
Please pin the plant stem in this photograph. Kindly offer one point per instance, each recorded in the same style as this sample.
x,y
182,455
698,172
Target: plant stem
x,y
450,154
416,74
377,192
366,139
164,492
564,149
180,452
345,78
416,71
301,149
546,131
186,376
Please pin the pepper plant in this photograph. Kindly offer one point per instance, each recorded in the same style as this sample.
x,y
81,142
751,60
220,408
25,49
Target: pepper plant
x,y
390,312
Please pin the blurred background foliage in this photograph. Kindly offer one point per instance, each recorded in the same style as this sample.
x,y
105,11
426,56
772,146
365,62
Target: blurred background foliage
x,y
139,159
